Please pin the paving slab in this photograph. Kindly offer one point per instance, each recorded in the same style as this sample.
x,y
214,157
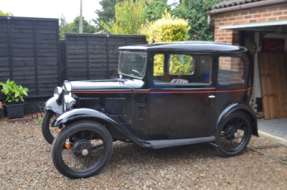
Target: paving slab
x,y
273,128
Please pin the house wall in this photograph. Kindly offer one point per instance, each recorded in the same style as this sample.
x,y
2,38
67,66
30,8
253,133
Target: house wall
x,y
245,17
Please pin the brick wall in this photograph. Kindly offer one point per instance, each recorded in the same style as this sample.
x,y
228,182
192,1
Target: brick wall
x,y
245,17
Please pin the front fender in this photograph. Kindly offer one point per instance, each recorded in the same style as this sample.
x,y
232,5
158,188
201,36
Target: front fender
x,y
54,105
82,113
85,113
239,107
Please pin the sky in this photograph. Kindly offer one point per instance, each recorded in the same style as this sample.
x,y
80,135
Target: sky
x,y
51,8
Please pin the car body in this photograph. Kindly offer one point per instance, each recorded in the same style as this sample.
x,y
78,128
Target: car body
x,y
167,94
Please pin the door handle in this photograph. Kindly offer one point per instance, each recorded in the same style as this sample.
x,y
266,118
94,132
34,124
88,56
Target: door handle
x,y
211,96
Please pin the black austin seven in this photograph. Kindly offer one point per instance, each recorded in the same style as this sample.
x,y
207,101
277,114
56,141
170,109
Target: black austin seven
x,y
167,94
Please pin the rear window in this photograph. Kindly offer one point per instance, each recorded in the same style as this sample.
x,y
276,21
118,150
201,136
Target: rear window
x,y
231,70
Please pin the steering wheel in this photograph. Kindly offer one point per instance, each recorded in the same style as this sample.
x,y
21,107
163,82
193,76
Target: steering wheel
x,y
135,71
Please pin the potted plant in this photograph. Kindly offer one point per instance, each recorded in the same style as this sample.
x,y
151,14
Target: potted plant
x,y
15,100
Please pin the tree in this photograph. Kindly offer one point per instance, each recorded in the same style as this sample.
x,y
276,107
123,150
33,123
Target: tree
x,y
106,14
195,12
73,27
87,27
64,27
154,9
129,17
5,14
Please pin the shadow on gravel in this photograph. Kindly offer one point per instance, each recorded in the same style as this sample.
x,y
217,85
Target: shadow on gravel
x,y
133,153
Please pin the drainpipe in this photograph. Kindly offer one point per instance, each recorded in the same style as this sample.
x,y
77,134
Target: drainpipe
x,y
209,20
241,7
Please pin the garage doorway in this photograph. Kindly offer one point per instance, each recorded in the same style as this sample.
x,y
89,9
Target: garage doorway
x,y
273,73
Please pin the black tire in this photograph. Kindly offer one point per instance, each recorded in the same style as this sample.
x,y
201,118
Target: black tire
x,y
235,127
87,136
48,132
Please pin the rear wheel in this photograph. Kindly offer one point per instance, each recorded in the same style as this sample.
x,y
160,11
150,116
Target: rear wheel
x,y
48,131
88,148
233,134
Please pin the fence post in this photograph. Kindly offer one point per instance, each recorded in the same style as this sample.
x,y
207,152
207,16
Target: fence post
x,y
35,58
88,57
10,48
108,55
62,64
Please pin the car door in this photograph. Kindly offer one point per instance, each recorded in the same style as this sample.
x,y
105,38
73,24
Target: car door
x,y
182,96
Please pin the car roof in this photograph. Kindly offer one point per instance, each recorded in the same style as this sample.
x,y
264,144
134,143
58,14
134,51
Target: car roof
x,y
194,46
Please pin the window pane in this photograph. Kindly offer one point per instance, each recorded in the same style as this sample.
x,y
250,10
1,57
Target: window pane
x,y
203,69
132,64
158,62
230,70
183,69
181,64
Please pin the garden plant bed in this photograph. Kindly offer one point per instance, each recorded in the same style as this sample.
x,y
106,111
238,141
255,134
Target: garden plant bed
x,y
25,162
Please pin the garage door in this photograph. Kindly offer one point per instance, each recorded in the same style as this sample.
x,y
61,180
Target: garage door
x,y
273,72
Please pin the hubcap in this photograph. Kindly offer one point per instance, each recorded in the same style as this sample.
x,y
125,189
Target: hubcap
x,y
85,152
82,148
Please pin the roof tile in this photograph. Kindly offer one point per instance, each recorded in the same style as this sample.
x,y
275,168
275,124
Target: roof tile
x,y
230,3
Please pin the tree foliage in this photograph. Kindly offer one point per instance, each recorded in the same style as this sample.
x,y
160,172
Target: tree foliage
x,y
73,27
64,27
166,29
129,16
5,14
87,27
154,9
195,12
106,14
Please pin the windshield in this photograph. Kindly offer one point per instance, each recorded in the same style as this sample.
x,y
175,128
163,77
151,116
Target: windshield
x,y
132,64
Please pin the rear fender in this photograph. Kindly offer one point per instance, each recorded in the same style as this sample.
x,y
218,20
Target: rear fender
x,y
239,107
85,113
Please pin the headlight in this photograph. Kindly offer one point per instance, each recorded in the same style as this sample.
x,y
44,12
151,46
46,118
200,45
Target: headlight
x,y
57,92
70,102
67,87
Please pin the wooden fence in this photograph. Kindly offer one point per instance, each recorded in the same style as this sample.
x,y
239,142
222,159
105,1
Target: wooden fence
x,y
90,56
29,53
32,55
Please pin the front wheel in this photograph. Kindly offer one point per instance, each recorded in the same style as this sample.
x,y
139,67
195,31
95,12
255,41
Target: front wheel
x,y
88,148
48,131
233,134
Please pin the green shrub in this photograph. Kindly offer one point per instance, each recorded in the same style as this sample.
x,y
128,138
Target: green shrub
x,y
166,29
13,92
129,16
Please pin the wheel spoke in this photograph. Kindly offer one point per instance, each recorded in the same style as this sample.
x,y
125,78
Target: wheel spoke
x,y
90,137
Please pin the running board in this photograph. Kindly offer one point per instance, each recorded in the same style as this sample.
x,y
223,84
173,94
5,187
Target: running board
x,y
156,144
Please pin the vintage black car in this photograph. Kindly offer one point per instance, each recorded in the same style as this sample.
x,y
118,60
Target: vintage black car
x,y
167,94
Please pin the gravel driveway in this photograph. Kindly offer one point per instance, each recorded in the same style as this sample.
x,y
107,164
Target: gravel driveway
x,y
25,163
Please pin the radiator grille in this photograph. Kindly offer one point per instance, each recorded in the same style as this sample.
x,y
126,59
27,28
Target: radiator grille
x,y
116,106
89,102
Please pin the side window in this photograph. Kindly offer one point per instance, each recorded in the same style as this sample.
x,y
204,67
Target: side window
x,y
231,70
158,64
182,69
181,64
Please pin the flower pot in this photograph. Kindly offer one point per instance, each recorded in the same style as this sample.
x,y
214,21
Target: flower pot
x,y
1,113
15,111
